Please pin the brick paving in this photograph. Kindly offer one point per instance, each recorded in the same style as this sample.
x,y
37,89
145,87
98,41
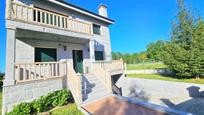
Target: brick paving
x,y
113,106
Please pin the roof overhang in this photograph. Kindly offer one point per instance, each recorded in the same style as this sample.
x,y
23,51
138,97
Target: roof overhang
x,y
81,10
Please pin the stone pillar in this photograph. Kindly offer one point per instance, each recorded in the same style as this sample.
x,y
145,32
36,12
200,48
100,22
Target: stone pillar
x,y
10,56
8,9
92,50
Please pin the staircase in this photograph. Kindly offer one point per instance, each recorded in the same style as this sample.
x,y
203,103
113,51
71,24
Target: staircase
x,y
93,89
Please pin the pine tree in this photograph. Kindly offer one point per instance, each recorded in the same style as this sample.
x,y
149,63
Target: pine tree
x,y
184,53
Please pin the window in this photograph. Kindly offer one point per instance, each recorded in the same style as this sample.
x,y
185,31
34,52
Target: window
x,y
45,55
99,55
96,29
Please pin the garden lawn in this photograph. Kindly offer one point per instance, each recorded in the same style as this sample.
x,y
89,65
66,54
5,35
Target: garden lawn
x,y
70,109
166,78
141,66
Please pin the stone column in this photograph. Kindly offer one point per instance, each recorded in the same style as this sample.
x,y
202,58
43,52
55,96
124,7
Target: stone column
x,y
92,50
10,56
92,53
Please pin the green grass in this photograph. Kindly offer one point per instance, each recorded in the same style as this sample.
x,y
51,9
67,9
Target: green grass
x,y
142,66
70,109
166,78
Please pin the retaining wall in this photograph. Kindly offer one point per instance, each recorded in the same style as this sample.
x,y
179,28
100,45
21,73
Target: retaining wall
x,y
26,92
185,96
148,71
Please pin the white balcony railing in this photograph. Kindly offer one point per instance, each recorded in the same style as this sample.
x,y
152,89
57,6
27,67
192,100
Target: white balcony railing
x,y
103,69
42,17
39,71
25,72
114,65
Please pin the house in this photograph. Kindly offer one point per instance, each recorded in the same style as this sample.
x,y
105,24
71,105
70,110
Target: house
x,y
52,44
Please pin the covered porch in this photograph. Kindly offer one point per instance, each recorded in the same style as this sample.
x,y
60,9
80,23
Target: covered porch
x,y
35,50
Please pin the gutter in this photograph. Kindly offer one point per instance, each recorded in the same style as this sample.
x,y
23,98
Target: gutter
x,y
82,11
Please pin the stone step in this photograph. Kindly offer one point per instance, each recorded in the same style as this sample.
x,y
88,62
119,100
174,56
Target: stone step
x,y
94,97
92,80
97,89
93,89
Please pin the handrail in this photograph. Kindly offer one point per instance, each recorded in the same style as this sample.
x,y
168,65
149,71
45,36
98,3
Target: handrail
x,y
111,65
103,69
75,83
43,17
39,71
117,90
103,76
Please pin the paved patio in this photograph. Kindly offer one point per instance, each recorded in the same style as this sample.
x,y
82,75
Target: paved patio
x,y
112,105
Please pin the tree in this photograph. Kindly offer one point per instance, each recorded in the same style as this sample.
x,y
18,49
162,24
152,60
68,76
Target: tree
x,y
154,50
130,58
184,54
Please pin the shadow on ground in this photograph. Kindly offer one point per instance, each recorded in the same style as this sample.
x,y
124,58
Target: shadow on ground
x,y
194,105
137,93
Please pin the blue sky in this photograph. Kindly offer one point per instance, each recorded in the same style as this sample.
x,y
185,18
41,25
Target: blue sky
x,y
138,22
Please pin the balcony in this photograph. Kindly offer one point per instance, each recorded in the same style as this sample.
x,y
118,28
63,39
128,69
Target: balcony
x,y
37,16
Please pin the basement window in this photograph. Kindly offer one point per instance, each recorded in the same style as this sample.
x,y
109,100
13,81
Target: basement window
x,y
96,29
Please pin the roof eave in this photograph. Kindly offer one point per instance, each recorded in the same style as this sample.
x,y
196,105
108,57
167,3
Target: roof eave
x,y
81,10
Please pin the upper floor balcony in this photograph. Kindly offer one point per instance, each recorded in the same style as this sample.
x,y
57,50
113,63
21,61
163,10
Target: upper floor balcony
x,y
50,19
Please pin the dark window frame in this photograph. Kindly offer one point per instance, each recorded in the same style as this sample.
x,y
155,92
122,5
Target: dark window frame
x,y
96,29
45,48
101,54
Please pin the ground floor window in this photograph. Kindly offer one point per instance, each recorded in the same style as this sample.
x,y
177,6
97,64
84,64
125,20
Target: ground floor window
x,y
45,54
99,55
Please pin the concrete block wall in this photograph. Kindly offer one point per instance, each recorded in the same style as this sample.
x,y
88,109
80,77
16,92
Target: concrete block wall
x,y
156,90
26,92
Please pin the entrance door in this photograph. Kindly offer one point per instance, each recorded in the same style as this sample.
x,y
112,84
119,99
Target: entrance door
x,y
78,61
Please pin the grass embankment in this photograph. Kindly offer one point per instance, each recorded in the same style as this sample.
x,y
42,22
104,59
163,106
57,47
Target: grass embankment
x,y
142,66
166,78
70,109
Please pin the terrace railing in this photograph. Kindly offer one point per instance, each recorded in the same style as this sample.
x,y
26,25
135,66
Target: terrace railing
x,y
43,17
103,69
25,72
113,65
39,71
75,83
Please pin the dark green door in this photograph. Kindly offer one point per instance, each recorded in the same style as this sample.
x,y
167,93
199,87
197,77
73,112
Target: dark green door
x,y
45,55
78,61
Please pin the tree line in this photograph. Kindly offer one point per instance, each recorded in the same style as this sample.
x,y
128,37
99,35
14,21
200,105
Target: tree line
x,y
184,52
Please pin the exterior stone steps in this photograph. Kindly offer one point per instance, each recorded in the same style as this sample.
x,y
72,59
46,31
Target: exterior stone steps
x,y
93,89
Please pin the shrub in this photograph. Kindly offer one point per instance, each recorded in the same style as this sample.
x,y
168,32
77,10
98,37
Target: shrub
x,y
39,105
21,109
44,103
60,98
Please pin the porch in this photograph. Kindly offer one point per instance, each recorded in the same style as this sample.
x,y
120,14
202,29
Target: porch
x,y
42,71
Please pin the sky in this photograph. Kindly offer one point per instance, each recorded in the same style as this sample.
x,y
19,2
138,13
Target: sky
x,y
138,22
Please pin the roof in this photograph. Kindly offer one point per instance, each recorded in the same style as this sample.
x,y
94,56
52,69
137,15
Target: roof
x,y
84,11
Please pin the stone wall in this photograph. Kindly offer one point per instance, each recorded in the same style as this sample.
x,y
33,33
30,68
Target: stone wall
x,y
26,92
148,71
179,95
